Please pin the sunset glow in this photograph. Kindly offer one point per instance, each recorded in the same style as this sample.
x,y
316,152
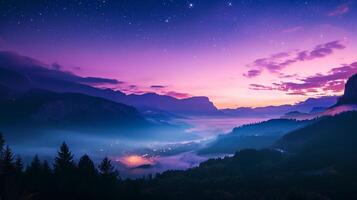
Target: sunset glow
x,y
135,160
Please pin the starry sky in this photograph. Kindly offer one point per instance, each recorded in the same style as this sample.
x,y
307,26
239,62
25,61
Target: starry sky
x,y
236,52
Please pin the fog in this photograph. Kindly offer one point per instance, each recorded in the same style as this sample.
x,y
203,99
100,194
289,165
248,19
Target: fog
x,y
134,154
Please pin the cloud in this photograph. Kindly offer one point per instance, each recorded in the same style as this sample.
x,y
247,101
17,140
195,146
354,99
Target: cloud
x,y
260,87
253,73
99,81
331,82
340,10
157,87
178,95
276,62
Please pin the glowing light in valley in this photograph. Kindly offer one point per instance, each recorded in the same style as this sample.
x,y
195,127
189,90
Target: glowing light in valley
x,y
136,160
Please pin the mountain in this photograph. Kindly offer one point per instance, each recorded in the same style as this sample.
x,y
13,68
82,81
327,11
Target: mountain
x,y
22,73
43,108
347,102
277,111
350,94
329,132
187,106
257,136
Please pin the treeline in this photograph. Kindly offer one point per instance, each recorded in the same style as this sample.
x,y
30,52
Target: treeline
x,y
64,179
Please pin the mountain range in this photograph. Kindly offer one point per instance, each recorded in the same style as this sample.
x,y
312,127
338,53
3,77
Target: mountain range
x,y
22,73
307,106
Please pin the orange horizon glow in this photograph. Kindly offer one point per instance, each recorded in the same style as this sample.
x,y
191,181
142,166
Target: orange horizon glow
x,y
135,160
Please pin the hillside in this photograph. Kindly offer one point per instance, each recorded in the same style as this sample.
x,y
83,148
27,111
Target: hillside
x,y
258,135
330,132
63,110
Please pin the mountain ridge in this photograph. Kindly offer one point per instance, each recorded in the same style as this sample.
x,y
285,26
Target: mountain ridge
x,y
34,74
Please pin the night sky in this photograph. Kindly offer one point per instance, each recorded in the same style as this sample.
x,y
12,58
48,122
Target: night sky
x,y
238,53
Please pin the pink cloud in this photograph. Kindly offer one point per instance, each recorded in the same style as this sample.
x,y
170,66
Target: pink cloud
x,y
333,81
157,87
260,87
276,62
178,95
340,10
252,73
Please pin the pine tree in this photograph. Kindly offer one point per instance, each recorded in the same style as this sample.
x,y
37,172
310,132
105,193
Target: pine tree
x,y
107,170
19,166
88,179
46,168
86,166
35,167
2,143
7,161
64,161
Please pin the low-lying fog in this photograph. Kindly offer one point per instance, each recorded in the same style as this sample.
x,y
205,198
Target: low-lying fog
x,y
134,155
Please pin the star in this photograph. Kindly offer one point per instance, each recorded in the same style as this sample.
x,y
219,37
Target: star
x,y
190,5
167,19
229,4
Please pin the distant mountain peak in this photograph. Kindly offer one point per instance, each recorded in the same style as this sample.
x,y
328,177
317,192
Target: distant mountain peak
x,y
350,94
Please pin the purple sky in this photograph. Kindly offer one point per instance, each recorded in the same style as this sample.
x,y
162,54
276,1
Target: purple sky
x,y
238,53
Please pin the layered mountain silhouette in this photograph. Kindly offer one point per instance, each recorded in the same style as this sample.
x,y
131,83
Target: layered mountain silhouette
x,y
22,73
43,108
307,106
257,136
328,132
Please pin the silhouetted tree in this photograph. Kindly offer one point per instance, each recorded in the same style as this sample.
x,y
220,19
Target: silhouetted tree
x,y
2,143
109,179
34,167
65,173
7,161
88,179
19,166
64,161
107,170
86,166
46,168
9,184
